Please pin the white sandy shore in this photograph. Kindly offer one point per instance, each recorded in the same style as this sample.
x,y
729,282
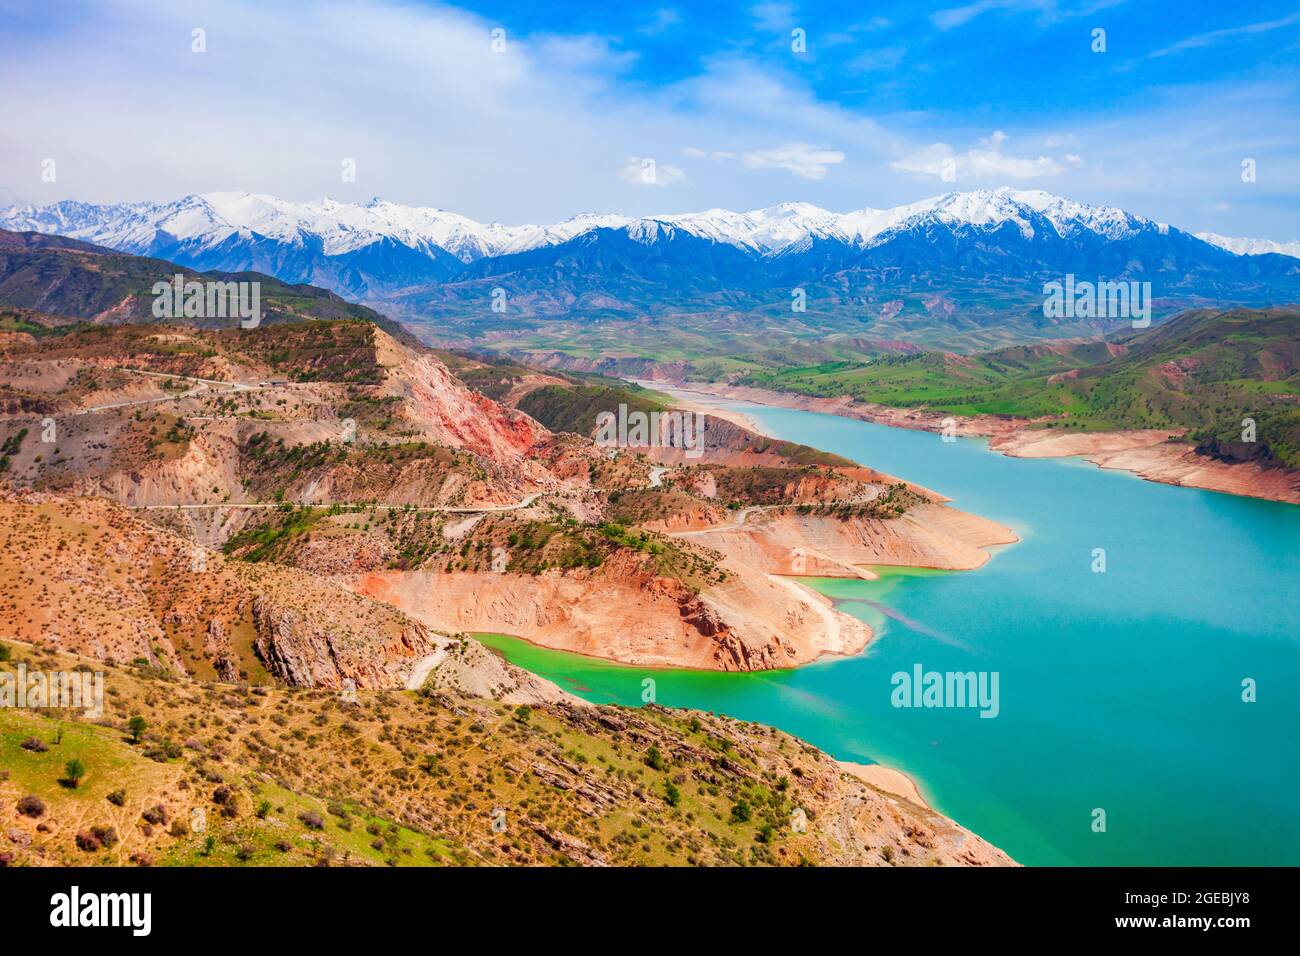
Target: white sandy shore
x,y
887,779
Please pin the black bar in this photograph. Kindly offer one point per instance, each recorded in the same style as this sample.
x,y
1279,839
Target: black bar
x,y
410,907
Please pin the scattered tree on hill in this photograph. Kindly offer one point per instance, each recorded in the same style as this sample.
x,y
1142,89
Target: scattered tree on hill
x,y
73,771
136,725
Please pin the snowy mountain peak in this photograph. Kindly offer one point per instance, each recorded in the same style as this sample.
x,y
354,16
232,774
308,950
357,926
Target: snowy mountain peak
x,y
1251,247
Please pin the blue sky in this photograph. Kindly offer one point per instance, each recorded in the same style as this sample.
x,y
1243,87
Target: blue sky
x,y
568,114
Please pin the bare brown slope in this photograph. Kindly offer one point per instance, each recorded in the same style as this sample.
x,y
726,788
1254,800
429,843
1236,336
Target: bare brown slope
x,y
319,412
621,613
85,576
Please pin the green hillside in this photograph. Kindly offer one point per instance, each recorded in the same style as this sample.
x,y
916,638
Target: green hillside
x,y
1205,371
48,280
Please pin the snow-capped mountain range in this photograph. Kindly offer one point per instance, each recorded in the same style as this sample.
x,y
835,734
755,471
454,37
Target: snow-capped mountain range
x,y
420,262
212,219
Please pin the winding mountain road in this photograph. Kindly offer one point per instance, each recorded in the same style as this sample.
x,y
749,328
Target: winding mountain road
x,y
203,385
483,509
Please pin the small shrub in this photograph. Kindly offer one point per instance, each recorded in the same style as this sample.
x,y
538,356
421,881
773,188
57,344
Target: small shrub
x,y
117,798
312,820
654,759
163,751
31,806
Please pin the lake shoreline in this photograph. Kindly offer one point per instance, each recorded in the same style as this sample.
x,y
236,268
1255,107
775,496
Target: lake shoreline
x,y
1081,724
1148,453
879,776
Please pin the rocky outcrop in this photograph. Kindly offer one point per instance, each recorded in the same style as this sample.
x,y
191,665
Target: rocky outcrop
x,y
464,666
621,613
302,649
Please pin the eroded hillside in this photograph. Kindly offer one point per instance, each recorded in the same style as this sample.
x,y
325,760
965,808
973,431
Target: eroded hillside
x,y
247,776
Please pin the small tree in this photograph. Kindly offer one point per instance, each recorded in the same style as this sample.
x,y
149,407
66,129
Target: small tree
x,y
73,771
136,725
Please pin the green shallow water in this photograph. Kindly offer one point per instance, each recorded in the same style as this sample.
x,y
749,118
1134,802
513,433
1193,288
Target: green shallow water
x,y
1119,691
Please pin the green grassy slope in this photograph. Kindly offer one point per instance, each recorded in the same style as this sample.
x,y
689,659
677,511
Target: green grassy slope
x,y
1204,371
75,280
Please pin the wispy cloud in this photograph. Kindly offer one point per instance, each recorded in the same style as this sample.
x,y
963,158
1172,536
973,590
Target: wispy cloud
x,y
645,171
951,17
801,159
1214,37
662,20
884,58
1049,11
713,156
987,161
774,17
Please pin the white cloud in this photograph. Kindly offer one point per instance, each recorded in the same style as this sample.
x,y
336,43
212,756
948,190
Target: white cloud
x,y
645,171
715,156
986,161
952,17
801,159
1214,37
662,19
1049,11
776,16
1057,140
884,58
412,92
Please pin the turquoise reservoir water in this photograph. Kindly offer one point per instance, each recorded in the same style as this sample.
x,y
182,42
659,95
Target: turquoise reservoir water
x,y
1118,691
